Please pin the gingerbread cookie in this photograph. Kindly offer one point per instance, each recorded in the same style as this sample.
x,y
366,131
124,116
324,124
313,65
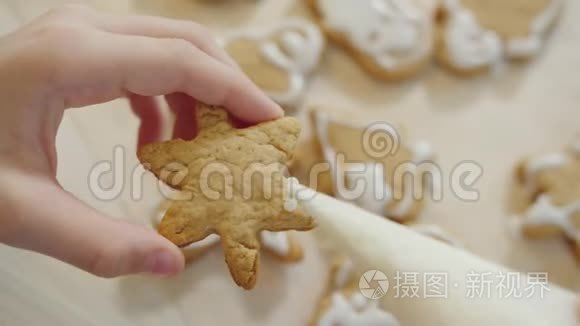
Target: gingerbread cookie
x,y
235,186
342,160
390,39
344,305
194,250
548,196
474,35
280,59
281,245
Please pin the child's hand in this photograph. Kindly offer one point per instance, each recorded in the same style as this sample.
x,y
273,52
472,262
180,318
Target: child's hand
x,y
74,57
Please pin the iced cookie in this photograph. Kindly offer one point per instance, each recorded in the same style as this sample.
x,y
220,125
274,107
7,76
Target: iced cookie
x,y
366,164
279,59
343,304
549,195
235,186
281,245
474,35
390,39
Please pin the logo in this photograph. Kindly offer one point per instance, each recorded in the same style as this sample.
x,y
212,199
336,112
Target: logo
x,y
380,140
373,284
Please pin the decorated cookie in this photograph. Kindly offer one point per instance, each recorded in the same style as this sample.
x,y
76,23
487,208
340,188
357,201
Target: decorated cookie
x,y
366,164
390,39
344,305
473,35
279,59
234,184
549,195
281,245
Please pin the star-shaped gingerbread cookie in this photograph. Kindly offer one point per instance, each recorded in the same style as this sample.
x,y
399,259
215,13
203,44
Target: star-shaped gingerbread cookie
x,y
235,185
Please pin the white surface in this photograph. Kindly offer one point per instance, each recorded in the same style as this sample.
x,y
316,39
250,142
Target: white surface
x,y
492,120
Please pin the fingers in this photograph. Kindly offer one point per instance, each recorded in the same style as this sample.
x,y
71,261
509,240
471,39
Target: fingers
x,y
183,107
60,226
149,113
146,66
160,27
147,56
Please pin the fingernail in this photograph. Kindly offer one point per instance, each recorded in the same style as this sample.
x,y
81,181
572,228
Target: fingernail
x,y
162,264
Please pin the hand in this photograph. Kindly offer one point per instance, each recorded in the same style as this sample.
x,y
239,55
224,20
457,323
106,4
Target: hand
x,y
73,57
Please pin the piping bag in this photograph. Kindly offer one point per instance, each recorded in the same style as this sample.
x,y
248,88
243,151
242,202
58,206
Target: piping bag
x,y
473,292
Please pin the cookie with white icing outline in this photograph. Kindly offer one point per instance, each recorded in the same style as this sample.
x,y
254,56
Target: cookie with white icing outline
x,y
343,304
281,245
390,39
389,182
279,59
547,200
474,36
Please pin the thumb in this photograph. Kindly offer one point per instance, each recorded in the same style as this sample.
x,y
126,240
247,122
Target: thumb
x,y
53,222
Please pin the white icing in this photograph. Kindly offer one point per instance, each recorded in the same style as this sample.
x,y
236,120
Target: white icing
x,y
394,32
469,45
343,274
278,242
377,193
404,206
356,311
532,43
422,152
544,212
301,46
543,163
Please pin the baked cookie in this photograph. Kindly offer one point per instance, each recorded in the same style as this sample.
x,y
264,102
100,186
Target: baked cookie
x,y
194,250
548,195
280,245
474,35
390,39
365,164
344,305
280,59
233,184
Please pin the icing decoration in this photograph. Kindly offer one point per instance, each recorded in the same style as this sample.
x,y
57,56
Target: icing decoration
x,y
469,45
532,43
394,32
278,242
356,311
544,212
299,51
543,163
343,274
422,152
377,193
